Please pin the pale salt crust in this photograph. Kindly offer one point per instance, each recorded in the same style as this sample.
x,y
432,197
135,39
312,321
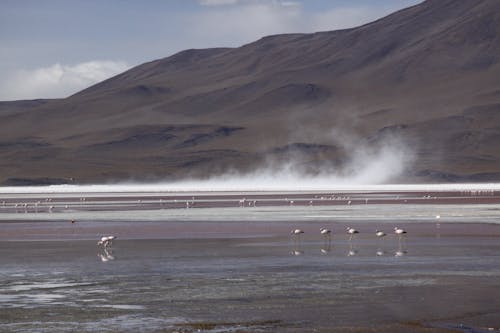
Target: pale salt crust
x,y
246,185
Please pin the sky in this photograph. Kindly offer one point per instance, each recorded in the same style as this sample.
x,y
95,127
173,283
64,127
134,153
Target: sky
x,y
55,48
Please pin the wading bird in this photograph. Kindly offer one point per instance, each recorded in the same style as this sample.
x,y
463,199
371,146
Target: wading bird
x,y
399,231
106,241
352,232
296,233
327,233
380,234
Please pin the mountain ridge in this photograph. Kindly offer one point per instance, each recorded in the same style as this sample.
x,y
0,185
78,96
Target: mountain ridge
x,y
425,75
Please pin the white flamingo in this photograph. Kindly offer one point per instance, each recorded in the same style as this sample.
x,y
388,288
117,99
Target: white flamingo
x,y
352,232
327,233
106,241
400,232
296,233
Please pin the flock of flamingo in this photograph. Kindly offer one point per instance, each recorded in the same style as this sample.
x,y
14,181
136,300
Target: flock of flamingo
x,y
106,242
327,233
351,232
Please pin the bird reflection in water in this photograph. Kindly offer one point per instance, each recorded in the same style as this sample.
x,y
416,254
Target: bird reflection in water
x,y
353,251
327,248
106,254
401,251
296,252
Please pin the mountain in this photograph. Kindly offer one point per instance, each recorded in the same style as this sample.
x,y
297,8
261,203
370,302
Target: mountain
x,y
425,77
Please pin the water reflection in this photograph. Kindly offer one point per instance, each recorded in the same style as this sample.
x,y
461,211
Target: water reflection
x,y
106,254
326,248
401,251
297,252
353,250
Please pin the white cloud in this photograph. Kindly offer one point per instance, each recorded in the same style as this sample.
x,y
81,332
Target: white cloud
x,y
57,80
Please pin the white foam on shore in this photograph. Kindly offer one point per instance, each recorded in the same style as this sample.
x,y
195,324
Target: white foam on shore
x,y
248,186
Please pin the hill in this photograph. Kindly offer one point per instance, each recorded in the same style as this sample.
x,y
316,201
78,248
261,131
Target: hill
x,y
420,86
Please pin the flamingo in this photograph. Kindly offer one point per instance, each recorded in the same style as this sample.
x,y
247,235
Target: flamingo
x,y
327,233
106,241
352,232
399,231
296,233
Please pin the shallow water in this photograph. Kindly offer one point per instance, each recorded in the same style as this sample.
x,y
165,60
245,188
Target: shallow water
x,y
268,284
